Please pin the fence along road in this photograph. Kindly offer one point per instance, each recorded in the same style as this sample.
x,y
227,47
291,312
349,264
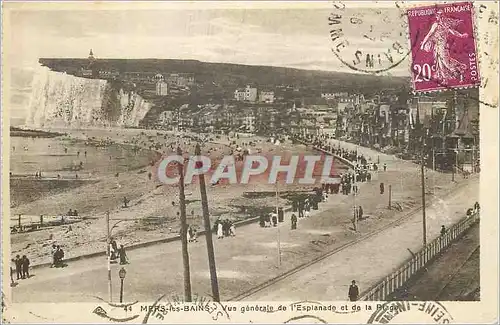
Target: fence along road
x,y
372,259
424,257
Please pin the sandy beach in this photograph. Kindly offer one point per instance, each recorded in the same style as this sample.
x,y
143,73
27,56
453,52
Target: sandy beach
x,y
152,211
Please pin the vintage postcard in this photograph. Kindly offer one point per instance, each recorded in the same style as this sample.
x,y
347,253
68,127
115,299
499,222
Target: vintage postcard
x,y
250,162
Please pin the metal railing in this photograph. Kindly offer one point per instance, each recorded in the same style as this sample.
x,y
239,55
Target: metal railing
x,y
398,278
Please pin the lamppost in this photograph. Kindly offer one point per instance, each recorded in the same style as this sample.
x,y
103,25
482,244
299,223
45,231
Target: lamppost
x,y
122,274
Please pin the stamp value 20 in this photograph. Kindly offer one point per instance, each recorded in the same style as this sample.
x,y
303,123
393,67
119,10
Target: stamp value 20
x,y
443,47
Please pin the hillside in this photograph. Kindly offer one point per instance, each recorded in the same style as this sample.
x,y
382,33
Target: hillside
x,y
234,75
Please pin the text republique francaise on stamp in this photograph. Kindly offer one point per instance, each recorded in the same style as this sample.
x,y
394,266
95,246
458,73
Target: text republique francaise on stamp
x,y
444,55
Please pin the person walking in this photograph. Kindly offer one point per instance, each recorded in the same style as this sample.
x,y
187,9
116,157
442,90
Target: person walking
x,y
18,263
262,221
232,229
189,234
294,221
381,188
25,263
353,291
59,256
281,215
123,255
385,167
53,253
220,233
12,271
443,230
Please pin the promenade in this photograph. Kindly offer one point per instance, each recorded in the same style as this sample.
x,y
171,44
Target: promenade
x,y
251,257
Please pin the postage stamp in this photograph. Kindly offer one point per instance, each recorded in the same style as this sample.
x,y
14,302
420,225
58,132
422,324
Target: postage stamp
x,y
444,52
257,162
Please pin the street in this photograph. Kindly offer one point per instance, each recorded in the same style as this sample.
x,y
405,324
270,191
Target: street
x,y
156,270
369,261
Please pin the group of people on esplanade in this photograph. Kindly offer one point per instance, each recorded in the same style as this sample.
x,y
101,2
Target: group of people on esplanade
x,y
22,266
117,253
57,256
224,228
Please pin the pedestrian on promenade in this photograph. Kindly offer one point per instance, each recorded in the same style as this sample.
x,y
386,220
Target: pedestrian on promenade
x,y
220,233
53,253
114,245
232,229
267,220
58,256
443,230
125,202
25,263
123,255
12,266
381,188
476,207
189,234
262,221
360,212
113,249
274,218
385,167
301,210
353,291
294,221
281,215
18,263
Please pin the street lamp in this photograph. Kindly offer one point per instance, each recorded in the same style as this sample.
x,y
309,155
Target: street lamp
x,y
122,274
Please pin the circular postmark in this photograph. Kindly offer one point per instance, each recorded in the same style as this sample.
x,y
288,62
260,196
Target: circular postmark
x,y
400,312
371,40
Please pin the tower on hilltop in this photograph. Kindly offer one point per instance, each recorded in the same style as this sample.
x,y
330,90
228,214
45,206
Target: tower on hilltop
x,y
91,55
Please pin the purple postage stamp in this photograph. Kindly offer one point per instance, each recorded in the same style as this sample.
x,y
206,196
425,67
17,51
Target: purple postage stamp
x,y
443,47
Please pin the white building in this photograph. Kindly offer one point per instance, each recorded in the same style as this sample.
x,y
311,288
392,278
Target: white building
x,y
248,94
266,97
334,95
239,95
161,88
158,78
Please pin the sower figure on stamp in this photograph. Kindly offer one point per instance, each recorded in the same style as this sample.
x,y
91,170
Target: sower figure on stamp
x,y
353,291
436,41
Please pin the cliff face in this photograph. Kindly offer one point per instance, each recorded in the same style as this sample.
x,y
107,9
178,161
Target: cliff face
x,y
62,100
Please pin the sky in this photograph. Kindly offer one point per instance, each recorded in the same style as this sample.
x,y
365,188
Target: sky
x,y
294,38
276,36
